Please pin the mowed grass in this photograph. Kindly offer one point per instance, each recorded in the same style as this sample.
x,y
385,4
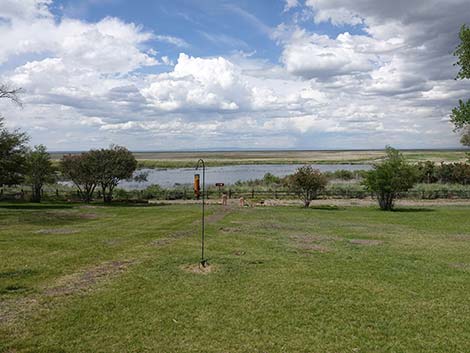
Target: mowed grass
x,y
284,279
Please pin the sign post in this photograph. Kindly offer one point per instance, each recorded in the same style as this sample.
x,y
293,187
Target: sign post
x,y
220,186
197,193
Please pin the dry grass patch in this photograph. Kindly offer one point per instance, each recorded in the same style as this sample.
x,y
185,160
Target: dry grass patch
x,y
461,266
229,230
83,281
199,269
312,242
87,215
366,242
56,231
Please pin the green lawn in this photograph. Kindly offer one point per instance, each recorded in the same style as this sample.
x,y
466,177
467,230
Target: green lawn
x,y
113,279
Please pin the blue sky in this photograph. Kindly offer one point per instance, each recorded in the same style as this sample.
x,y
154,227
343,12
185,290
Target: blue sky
x,y
188,74
209,27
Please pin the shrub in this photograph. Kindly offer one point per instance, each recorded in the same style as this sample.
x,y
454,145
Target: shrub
x,y
307,183
388,179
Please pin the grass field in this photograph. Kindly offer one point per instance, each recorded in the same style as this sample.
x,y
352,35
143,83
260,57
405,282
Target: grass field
x,y
188,159
283,279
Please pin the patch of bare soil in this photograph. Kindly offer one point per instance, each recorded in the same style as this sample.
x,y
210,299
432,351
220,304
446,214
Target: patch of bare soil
x,y
112,242
161,242
83,281
311,242
230,230
366,242
174,236
56,231
461,237
87,215
198,269
12,309
217,215
461,266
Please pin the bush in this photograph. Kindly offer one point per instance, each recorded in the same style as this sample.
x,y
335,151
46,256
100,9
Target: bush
x,y
393,176
307,183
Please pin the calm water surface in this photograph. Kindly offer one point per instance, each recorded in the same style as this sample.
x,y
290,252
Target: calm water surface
x,y
228,174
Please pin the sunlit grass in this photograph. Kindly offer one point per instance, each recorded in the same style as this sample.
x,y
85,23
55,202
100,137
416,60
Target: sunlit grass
x,y
285,279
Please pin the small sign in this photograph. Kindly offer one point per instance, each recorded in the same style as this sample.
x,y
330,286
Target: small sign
x,y
219,184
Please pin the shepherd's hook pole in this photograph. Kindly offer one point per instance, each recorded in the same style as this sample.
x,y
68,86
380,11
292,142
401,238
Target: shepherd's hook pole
x,y
201,161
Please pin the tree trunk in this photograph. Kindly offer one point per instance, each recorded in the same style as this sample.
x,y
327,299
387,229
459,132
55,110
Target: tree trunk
x,y
36,193
386,201
103,190
108,196
307,203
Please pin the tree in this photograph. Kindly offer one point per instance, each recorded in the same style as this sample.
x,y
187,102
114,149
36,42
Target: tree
x,y
427,172
39,170
82,170
462,52
114,164
388,179
307,183
8,92
12,144
12,155
460,116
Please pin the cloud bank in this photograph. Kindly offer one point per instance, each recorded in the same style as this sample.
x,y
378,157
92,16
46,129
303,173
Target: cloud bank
x,y
385,77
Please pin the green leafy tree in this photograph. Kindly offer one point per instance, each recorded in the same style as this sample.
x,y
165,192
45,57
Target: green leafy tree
x,y
388,179
12,156
12,144
307,183
114,164
427,172
271,179
82,170
460,116
39,171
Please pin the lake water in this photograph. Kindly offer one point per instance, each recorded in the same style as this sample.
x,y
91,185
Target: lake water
x,y
228,174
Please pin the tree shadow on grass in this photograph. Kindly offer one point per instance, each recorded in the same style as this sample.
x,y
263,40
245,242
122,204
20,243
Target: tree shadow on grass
x,y
132,204
38,207
413,210
327,208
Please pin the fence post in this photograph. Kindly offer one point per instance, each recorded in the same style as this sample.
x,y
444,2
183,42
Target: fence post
x,y
252,193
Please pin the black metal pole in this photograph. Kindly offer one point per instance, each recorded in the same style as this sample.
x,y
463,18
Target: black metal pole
x,y
201,161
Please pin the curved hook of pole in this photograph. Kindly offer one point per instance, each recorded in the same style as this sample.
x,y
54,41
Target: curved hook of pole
x,y
200,161
203,261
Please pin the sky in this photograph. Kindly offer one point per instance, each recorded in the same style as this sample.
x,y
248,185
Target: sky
x,y
246,74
